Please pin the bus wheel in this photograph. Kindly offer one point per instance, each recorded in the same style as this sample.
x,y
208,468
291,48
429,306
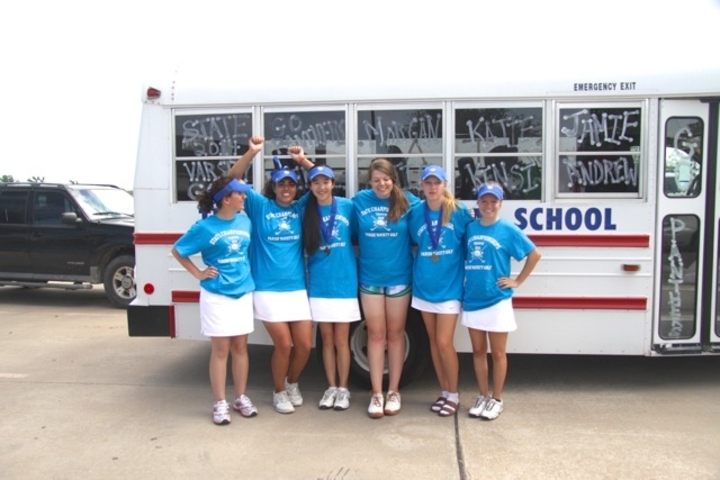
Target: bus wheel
x,y
417,352
119,280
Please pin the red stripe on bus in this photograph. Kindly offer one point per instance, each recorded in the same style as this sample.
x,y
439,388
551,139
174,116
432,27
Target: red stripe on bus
x,y
541,240
541,303
185,296
581,303
590,240
156,238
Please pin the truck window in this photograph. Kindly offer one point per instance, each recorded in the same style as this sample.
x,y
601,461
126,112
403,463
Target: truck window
x,y
13,206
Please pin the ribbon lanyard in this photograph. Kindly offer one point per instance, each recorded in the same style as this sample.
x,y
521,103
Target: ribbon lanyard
x,y
327,228
434,234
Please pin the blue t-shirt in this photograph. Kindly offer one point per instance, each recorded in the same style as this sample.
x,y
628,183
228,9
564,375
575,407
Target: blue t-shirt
x,y
385,258
222,244
438,272
276,252
489,249
334,275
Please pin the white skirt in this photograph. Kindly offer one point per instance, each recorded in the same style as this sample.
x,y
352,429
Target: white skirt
x,y
335,310
498,318
451,306
281,306
223,316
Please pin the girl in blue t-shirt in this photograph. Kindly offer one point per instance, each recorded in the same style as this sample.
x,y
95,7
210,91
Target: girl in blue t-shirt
x,y
280,299
226,287
385,264
487,301
328,229
437,226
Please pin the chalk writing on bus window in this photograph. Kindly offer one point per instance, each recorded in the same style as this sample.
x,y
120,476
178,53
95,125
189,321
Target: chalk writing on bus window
x,y
387,126
520,177
212,135
307,129
597,129
193,176
683,156
598,174
498,126
678,285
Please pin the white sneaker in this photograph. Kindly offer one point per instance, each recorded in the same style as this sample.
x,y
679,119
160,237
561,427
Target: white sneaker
x,y
392,403
342,400
376,408
480,405
328,400
221,413
492,409
281,402
293,392
244,406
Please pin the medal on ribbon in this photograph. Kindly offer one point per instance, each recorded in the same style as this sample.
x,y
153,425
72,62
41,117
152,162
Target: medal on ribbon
x,y
433,233
327,228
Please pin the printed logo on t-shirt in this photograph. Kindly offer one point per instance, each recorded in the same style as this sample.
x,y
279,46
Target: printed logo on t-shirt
x,y
477,246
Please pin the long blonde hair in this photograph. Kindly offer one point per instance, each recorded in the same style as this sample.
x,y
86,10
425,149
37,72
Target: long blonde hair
x,y
449,205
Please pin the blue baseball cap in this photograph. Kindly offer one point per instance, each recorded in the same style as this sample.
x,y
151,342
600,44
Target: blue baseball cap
x,y
234,186
433,171
278,175
495,190
320,170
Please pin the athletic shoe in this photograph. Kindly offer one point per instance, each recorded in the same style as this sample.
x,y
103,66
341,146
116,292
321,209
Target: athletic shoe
x,y
293,393
375,410
244,407
392,403
281,402
492,409
342,400
221,413
480,405
328,400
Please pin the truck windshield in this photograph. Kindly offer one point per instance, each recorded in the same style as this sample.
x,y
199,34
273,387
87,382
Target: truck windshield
x,y
104,201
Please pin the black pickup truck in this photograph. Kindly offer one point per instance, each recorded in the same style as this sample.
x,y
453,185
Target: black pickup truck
x,y
68,236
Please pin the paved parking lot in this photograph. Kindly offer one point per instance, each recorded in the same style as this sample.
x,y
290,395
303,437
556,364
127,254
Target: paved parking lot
x,y
80,399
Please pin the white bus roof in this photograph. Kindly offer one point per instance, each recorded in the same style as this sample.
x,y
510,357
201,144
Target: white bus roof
x,y
333,82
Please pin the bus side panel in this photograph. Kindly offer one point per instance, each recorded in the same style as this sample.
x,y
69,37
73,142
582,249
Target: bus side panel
x,y
606,332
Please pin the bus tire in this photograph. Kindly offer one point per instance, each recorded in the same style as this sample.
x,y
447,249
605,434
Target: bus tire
x,y
119,280
417,352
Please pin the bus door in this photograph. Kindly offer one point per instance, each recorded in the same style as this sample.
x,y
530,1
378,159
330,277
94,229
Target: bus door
x,y
687,229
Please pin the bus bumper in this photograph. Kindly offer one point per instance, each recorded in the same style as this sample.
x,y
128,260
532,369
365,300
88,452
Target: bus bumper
x,y
149,321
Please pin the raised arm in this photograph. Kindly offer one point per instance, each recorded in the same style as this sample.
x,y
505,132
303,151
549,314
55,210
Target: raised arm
x,y
255,145
298,154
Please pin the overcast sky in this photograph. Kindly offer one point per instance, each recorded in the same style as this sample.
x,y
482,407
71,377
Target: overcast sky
x,y
72,71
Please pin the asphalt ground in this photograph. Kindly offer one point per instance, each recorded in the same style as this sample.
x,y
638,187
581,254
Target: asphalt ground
x,y
81,399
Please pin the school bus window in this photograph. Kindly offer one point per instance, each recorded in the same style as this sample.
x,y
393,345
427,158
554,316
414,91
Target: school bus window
x,y
321,134
410,138
683,157
678,274
206,146
599,150
504,145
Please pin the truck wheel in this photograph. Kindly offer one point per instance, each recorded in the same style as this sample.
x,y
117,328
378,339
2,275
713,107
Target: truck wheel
x,y
417,352
119,280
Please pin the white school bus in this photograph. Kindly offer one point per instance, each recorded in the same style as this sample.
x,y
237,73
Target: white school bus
x,y
613,176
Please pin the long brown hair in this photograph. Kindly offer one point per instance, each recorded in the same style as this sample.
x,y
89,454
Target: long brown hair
x,y
398,203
